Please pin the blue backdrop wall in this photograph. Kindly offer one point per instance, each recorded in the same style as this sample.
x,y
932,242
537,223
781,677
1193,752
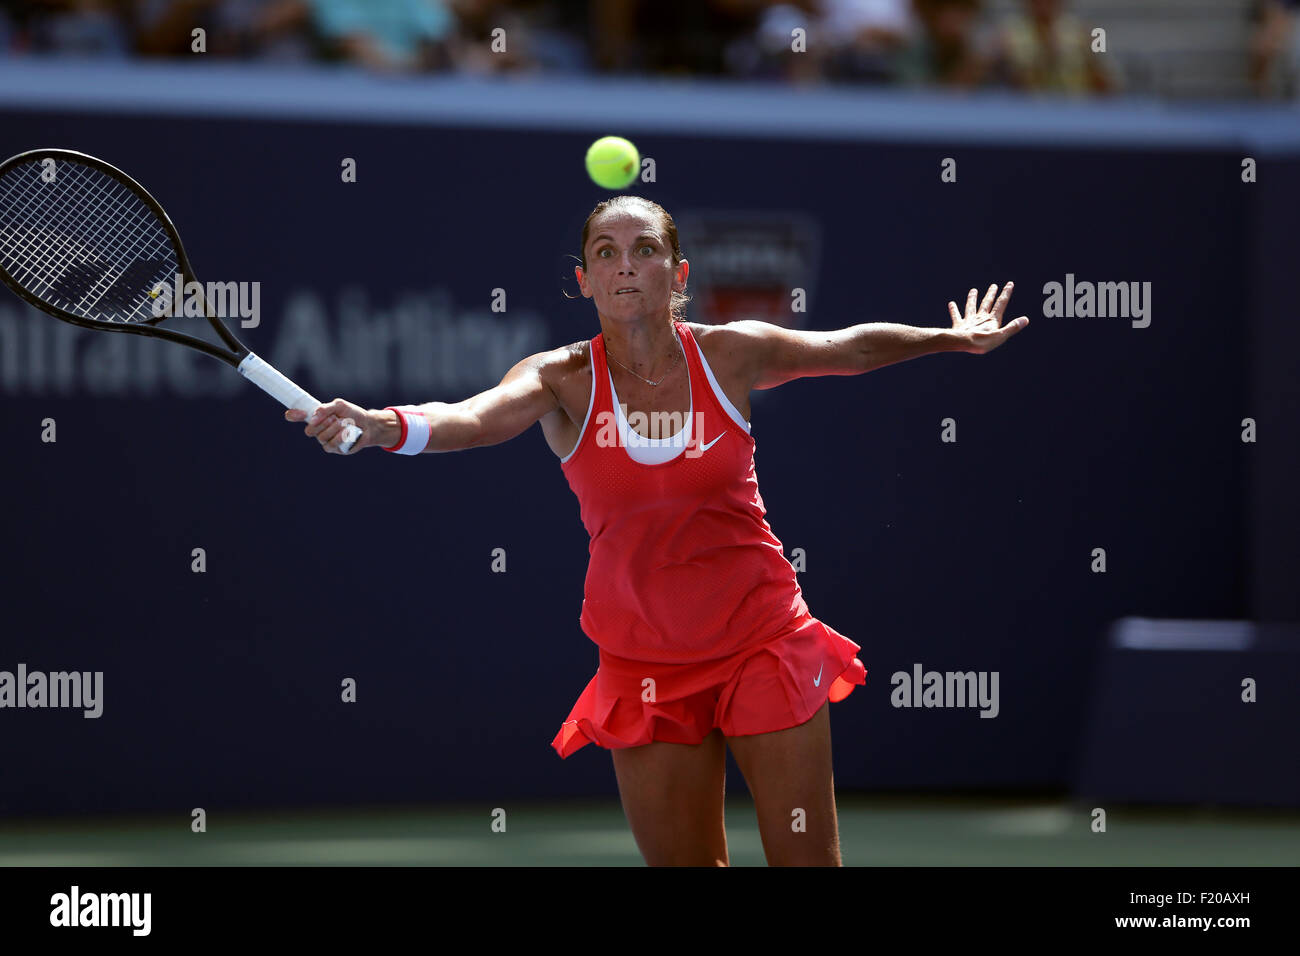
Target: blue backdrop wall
x,y
223,688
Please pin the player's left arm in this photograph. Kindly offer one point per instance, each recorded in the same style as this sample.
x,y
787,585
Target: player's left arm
x,y
771,355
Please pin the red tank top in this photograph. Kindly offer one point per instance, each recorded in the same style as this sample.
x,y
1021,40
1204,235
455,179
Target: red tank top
x,y
684,566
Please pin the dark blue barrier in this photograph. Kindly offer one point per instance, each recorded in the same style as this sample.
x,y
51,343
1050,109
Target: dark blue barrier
x,y
1193,712
223,688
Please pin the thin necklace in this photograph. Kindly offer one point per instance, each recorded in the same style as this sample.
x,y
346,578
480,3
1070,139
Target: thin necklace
x,y
662,377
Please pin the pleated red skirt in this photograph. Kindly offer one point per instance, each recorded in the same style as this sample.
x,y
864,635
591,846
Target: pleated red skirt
x,y
777,685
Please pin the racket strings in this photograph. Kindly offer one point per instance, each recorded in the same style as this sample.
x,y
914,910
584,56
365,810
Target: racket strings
x,y
57,267
75,259
89,274
52,224
85,242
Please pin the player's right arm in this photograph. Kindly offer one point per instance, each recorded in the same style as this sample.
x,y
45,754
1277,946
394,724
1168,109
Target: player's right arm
x,y
488,418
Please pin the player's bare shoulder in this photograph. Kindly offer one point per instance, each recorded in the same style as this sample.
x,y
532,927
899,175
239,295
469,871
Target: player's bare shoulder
x,y
567,372
733,351
568,365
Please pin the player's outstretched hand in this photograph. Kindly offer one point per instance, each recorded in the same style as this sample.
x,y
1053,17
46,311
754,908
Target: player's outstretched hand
x,y
983,327
326,425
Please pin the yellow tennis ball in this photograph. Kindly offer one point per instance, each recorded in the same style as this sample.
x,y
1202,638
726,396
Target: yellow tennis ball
x,y
613,162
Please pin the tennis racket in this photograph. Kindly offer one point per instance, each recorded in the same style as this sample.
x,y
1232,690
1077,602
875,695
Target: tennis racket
x,y
85,242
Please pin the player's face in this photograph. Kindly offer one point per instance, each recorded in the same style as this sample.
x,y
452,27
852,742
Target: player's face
x,y
630,270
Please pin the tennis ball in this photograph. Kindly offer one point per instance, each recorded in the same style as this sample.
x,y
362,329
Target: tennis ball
x,y
613,162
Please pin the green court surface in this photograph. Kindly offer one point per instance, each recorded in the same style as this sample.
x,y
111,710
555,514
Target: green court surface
x,y
874,831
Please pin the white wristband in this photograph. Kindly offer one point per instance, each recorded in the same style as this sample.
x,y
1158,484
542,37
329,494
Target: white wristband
x,y
415,430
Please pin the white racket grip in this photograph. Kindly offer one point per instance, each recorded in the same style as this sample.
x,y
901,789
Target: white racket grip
x,y
268,379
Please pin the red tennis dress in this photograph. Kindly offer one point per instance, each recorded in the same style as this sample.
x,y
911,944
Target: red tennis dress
x,y
697,613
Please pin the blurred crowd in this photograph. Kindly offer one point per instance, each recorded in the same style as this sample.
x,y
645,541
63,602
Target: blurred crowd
x,y
1033,45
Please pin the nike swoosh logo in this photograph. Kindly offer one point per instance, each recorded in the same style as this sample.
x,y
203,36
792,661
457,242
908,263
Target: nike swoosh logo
x,y
704,448
817,681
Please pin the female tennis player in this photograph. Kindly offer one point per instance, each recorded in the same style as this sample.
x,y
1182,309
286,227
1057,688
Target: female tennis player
x,y
705,641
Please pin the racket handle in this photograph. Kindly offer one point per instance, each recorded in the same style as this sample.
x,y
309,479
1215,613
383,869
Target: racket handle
x,y
287,393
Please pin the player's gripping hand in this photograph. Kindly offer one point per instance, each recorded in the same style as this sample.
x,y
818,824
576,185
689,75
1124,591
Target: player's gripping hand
x,y
327,423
